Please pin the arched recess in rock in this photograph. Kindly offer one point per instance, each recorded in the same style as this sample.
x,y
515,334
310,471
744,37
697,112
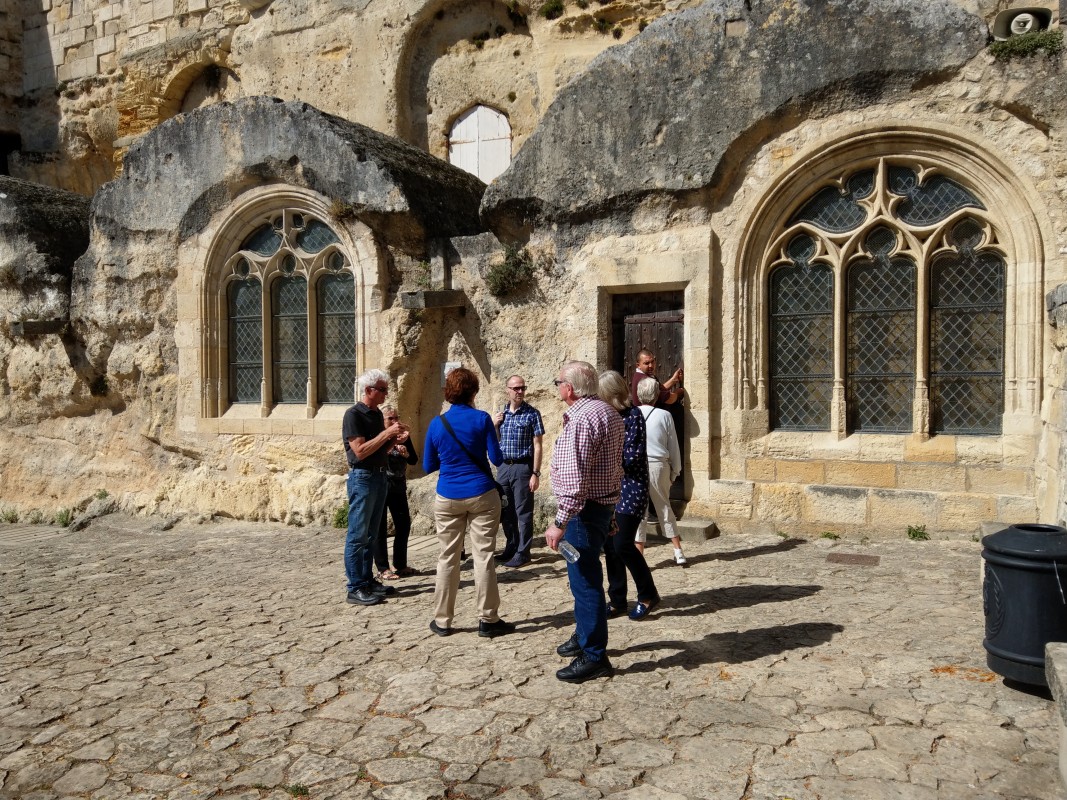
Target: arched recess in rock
x,y
459,54
1008,212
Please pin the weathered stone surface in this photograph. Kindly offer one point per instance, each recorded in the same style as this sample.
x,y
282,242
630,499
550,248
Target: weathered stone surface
x,y
663,113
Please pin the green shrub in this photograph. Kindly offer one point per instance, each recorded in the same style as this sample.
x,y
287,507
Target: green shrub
x,y
36,517
9,515
101,494
553,9
340,517
830,535
512,273
64,517
917,533
1028,44
297,790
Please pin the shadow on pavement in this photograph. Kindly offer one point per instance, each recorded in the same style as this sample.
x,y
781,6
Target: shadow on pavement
x,y
783,546
694,603
734,647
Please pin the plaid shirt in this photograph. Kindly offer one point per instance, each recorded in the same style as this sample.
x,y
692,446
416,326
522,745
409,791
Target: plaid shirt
x,y
518,430
587,457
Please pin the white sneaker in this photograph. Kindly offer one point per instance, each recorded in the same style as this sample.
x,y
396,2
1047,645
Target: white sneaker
x,y
678,557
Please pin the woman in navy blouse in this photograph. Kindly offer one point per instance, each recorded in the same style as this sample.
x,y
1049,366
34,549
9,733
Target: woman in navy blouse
x,y
467,497
620,554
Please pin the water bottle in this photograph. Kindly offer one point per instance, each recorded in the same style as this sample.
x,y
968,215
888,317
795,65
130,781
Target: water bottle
x,y
569,552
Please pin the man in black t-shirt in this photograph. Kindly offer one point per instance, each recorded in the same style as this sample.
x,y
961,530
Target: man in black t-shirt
x,y
366,442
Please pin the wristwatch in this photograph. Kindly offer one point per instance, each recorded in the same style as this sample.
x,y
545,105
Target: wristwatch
x,y
536,473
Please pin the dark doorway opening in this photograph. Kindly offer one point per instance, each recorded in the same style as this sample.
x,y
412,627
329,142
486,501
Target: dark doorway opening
x,y
655,321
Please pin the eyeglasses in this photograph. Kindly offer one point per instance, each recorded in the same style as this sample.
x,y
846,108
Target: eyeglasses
x,y
392,419
517,388
557,382
382,389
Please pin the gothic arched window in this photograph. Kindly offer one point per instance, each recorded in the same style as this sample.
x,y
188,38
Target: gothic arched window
x,y
290,301
919,337
480,142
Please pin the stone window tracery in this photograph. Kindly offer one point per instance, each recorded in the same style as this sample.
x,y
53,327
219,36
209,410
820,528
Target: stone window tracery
x,y
290,307
886,307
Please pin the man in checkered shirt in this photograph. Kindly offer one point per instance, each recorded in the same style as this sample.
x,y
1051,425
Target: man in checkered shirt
x,y
586,480
519,428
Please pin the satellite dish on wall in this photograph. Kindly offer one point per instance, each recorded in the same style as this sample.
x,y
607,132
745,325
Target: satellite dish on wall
x,y
1017,21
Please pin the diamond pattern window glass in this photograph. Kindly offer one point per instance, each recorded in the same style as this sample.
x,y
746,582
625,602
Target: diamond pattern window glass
x,y
289,327
336,337
802,341
882,232
315,237
967,337
245,302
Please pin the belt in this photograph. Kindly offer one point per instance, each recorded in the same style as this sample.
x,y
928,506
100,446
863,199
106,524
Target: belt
x,y
369,469
527,461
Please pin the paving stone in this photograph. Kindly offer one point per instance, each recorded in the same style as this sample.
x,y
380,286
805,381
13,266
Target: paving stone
x,y
765,667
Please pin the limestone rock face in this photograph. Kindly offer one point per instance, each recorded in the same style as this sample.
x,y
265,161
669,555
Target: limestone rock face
x,y
663,112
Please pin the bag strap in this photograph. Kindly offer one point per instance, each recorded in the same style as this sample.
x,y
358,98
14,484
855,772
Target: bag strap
x,y
483,467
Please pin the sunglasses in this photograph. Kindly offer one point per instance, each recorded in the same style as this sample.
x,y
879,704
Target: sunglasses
x,y
517,388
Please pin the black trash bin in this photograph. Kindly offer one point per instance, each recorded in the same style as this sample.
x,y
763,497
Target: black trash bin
x,y
1024,595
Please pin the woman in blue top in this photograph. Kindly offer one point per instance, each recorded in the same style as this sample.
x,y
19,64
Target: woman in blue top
x,y
466,497
620,553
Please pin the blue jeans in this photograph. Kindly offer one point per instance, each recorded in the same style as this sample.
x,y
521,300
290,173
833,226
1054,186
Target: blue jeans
x,y
587,532
366,503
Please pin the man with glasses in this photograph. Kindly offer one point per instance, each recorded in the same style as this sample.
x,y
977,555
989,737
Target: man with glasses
x,y
586,480
367,441
519,428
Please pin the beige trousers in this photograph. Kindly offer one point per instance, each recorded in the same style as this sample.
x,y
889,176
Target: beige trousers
x,y
659,495
453,517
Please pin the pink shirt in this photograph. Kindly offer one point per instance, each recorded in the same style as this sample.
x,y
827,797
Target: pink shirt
x,y
587,457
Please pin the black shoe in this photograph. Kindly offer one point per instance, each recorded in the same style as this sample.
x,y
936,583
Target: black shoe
x,y
570,648
616,610
582,670
362,597
517,561
498,628
381,589
505,556
439,630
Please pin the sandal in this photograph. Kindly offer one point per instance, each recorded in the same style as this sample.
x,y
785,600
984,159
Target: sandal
x,y
406,572
387,575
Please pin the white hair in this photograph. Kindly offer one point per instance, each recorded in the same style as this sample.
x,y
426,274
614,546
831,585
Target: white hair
x,y
648,391
582,378
371,377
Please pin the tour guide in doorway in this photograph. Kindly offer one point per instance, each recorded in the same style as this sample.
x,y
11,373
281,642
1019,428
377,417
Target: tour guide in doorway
x,y
670,390
586,475
367,441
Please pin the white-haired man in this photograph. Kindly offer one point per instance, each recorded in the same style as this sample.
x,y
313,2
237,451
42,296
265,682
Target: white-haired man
x,y
586,480
367,440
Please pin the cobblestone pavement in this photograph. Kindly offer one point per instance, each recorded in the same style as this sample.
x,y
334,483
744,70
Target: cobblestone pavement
x,y
221,660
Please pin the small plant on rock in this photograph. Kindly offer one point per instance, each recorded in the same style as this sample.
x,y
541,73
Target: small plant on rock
x,y
64,517
340,517
101,494
36,517
297,790
512,273
1050,42
342,210
553,9
9,515
830,535
917,533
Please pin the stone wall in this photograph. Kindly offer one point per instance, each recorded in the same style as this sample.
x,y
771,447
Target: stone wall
x,y
1052,469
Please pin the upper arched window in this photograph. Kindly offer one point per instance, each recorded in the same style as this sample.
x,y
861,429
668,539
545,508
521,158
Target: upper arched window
x,y
290,306
917,345
480,142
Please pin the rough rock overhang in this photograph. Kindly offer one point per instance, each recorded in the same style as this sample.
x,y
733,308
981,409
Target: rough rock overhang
x,y
183,171
660,113
42,232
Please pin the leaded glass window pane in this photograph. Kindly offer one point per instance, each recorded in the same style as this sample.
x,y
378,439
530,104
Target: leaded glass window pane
x,y
337,338
931,202
967,341
289,339
245,305
836,211
881,344
264,241
315,236
802,344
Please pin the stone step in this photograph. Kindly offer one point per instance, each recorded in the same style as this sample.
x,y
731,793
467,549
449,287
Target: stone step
x,y
697,529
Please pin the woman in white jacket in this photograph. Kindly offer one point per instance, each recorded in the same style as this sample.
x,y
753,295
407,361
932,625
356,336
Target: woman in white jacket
x,y
664,464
